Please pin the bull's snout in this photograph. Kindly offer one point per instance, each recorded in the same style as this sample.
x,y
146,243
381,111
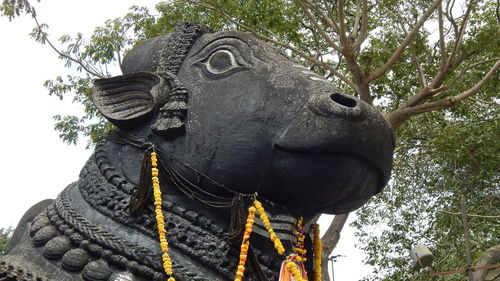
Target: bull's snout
x,y
334,122
349,144
338,105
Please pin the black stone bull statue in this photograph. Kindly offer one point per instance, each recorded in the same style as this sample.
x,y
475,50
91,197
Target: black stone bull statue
x,y
232,120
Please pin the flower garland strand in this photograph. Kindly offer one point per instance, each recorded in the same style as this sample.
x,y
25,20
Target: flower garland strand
x,y
299,255
318,248
292,267
265,219
299,234
160,220
245,243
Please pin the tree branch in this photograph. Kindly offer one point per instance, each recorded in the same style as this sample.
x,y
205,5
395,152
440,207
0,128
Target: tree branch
x,y
497,12
416,61
442,47
469,215
79,62
324,16
321,31
332,234
357,22
364,28
463,208
436,92
434,88
362,87
449,15
397,54
340,11
459,38
118,55
397,117
421,75
479,85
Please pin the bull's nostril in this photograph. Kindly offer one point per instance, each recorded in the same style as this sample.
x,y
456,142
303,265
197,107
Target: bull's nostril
x,y
343,100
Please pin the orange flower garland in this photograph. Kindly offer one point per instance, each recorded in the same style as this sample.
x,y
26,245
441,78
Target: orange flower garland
x,y
245,243
160,220
318,248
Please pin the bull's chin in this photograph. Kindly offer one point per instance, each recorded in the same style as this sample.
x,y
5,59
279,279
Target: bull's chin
x,y
332,183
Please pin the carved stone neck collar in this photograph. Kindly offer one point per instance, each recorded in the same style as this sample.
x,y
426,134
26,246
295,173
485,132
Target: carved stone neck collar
x,y
191,232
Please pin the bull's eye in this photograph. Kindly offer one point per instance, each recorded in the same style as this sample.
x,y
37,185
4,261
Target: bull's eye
x,y
221,63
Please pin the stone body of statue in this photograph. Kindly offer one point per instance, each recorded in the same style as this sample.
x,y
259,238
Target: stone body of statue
x,y
232,120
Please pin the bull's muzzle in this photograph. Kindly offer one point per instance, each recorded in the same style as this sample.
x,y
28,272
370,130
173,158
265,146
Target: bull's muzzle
x,y
339,129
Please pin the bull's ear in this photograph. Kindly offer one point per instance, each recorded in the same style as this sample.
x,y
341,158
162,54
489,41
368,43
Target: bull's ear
x,y
129,99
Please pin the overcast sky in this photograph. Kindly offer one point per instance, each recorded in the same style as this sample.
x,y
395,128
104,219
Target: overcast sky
x,y
34,163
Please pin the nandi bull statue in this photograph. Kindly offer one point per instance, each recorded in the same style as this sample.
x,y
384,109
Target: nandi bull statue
x,y
207,126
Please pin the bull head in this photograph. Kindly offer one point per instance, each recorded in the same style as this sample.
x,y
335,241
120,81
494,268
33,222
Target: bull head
x,y
250,119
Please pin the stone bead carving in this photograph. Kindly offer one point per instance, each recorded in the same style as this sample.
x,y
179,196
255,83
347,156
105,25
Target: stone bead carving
x,y
75,260
96,271
43,235
56,247
38,223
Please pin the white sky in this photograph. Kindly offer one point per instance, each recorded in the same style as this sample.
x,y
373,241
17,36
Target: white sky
x,y
34,163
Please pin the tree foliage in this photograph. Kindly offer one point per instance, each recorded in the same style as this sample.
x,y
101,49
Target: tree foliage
x,y
5,235
440,156
449,156
406,57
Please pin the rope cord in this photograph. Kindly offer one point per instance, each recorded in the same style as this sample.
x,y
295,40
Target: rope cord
x,y
189,188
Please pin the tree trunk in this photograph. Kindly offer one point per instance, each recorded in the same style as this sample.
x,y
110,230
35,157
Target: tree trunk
x,y
463,207
491,256
330,240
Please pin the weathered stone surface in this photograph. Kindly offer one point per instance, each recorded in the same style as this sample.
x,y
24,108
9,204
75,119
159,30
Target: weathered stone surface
x,y
122,276
231,120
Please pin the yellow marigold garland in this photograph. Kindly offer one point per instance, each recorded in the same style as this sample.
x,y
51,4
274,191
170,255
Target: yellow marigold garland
x,y
245,243
299,249
265,219
292,267
160,220
318,248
